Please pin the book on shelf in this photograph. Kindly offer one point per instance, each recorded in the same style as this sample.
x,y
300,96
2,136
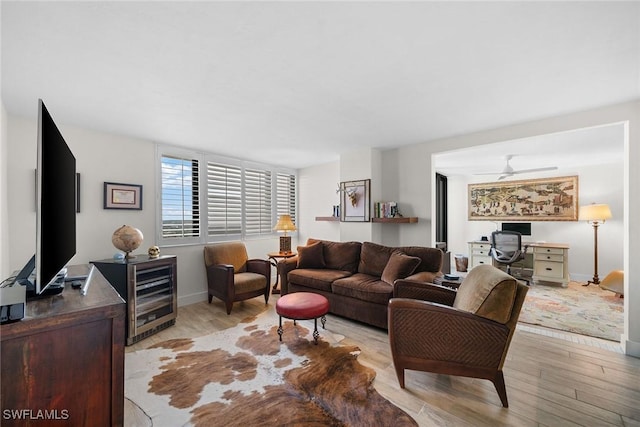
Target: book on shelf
x,y
385,210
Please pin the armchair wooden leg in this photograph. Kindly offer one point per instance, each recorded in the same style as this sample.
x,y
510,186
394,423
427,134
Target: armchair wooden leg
x,y
498,382
210,298
400,374
229,305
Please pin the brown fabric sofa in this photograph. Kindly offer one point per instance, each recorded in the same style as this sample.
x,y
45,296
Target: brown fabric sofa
x,y
357,278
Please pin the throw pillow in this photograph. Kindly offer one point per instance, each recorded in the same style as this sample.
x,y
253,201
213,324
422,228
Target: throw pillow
x,y
311,256
399,266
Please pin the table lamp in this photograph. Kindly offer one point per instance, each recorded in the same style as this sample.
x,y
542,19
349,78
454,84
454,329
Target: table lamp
x,y
285,224
595,214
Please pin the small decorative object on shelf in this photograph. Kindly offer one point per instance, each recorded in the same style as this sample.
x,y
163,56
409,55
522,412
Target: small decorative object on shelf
x,y
127,239
154,252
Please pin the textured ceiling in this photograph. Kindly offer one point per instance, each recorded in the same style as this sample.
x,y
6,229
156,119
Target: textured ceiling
x,y
298,83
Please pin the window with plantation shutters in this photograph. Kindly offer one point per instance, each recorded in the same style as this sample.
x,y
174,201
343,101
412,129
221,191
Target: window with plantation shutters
x,y
286,195
224,200
257,202
204,198
180,211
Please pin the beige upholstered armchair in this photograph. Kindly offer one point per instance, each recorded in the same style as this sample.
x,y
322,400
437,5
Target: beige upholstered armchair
x,y
614,282
464,333
232,276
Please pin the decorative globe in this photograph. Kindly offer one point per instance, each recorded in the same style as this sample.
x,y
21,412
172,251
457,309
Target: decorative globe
x,y
127,239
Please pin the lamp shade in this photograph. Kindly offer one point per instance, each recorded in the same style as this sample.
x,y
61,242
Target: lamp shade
x,y
285,224
595,212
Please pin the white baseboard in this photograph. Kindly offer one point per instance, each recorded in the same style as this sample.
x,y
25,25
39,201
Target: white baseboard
x,y
631,348
192,298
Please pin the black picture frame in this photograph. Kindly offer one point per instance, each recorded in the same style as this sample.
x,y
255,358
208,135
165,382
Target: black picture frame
x,y
122,196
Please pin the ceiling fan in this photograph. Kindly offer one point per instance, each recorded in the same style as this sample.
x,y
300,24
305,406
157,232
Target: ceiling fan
x,y
509,171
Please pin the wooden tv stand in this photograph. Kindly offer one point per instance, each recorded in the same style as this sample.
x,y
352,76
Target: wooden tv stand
x,y
65,359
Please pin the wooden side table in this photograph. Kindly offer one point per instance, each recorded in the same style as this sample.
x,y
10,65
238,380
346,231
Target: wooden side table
x,y
273,259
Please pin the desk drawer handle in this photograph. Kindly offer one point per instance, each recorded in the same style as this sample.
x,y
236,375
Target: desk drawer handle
x,y
548,257
549,269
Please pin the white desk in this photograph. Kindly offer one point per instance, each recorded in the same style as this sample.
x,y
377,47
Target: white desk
x,y
549,261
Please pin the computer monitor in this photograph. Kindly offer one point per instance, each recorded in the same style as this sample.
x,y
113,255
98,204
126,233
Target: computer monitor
x,y
523,228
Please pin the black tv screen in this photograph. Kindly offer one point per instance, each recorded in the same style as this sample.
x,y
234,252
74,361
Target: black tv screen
x,y
523,228
56,202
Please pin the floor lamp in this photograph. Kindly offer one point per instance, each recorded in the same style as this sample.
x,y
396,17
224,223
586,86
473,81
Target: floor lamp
x,y
595,214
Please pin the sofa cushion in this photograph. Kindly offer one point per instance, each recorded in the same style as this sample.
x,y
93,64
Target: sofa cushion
x,y
249,282
399,266
373,258
363,287
320,279
340,255
311,256
431,258
488,292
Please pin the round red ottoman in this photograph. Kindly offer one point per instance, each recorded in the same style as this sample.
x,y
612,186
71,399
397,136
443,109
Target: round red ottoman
x,y
302,306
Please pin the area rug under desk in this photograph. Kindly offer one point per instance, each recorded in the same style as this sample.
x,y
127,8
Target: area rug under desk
x,y
585,310
244,376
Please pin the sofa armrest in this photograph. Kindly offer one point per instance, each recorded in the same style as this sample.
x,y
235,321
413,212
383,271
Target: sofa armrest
x,y
260,266
405,288
425,276
284,267
220,280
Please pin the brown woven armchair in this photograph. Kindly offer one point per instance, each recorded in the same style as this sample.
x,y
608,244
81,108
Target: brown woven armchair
x,y
232,276
464,333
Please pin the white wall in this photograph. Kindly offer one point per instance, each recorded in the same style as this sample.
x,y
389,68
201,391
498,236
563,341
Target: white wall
x,y
602,184
317,195
100,157
4,201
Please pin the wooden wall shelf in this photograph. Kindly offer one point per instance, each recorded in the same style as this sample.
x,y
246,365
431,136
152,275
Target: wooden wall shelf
x,y
328,218
401,220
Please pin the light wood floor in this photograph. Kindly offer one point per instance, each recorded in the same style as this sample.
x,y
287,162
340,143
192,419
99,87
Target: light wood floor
x,y
551,381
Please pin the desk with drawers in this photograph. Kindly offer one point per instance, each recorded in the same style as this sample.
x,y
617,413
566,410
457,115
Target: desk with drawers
x,y
548,262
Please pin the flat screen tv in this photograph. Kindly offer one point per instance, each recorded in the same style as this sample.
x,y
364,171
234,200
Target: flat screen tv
x,y
55,209
523,228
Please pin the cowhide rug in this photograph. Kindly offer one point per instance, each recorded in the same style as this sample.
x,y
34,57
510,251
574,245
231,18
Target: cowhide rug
x,y
244,376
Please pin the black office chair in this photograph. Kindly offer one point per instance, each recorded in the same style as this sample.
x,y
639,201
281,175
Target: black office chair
x,y
506,249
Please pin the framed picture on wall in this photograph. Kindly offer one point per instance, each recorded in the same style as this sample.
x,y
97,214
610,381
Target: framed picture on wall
x,y
355,201
122,196
547,199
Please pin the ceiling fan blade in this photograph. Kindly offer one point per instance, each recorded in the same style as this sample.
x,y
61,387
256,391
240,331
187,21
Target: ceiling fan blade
x,y
550,168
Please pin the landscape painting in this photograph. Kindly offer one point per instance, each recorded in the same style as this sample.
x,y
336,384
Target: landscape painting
x,y
547,199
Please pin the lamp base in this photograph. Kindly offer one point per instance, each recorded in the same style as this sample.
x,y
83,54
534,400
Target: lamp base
x,y
285,244
595,281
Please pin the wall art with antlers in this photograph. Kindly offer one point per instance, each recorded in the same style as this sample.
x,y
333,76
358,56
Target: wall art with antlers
x,y
355,200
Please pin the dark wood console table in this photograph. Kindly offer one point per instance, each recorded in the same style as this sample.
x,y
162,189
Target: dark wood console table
x,y
65,359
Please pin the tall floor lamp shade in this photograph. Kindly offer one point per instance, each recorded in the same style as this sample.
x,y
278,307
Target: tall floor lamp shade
x,y
595,214
285,224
